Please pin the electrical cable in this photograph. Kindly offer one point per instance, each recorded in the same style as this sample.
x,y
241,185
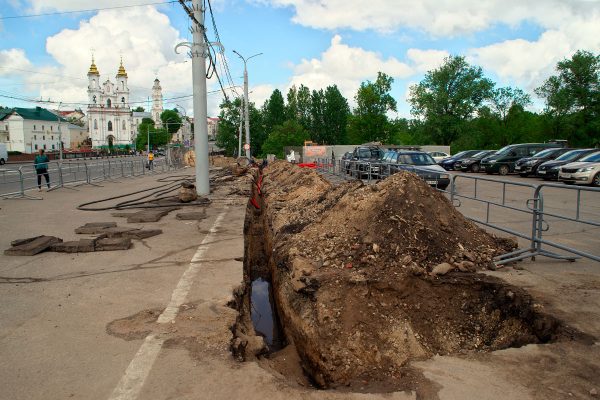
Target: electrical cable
x,y
85,11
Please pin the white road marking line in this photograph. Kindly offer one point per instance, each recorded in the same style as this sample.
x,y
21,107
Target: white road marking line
x,y
133,380
187,279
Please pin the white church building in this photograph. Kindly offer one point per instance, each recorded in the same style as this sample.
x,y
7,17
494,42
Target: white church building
x,y
109,115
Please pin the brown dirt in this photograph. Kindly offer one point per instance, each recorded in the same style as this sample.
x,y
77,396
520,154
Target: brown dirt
x,y
351,269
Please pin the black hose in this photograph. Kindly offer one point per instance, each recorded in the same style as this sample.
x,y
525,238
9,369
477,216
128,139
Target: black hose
x,y
137,202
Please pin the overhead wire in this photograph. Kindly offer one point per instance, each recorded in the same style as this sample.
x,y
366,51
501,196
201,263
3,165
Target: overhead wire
x,y
86,11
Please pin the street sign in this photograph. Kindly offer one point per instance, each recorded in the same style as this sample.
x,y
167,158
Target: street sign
x,y
246,146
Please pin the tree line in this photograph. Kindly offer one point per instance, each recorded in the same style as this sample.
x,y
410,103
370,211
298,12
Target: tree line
x,y
454,104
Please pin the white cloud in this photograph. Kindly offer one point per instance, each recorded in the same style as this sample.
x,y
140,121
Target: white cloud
x,y
346,67
528,63
145,40
13,61
437,17
425,60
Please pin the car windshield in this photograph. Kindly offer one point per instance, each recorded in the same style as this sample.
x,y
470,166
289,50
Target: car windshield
x,y
594,157
571,155
482,154
460,154
503,150
416,159
545,153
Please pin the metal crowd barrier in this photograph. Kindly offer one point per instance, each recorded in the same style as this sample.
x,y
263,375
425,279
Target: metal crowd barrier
x,y
525,199
16,182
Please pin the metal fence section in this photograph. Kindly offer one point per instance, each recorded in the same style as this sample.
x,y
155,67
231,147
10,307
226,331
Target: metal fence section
x,y
16,182
516,208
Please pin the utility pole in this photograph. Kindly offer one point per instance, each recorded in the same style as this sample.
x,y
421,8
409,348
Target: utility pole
x,y
246,100
148,143
60,147
240,130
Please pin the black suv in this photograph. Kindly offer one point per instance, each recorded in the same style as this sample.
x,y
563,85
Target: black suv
x,y
503,161
362,156
529,165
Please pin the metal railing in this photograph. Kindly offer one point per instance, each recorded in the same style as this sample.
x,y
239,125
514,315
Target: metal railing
x,y
525,201
16,182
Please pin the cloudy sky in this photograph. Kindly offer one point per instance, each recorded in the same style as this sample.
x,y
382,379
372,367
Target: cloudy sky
x,y
311,42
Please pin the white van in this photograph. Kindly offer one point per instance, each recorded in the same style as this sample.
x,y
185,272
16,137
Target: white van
x,y
3,154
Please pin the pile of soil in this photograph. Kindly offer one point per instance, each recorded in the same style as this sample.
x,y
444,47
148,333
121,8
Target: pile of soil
x,y
368,278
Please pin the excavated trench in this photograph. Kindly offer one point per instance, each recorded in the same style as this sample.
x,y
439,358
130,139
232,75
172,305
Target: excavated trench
x,y
352,306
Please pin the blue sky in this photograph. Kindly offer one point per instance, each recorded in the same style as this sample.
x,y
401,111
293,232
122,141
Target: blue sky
x,y
339,42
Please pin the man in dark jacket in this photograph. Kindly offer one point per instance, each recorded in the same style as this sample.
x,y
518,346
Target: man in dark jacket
x,y
41,168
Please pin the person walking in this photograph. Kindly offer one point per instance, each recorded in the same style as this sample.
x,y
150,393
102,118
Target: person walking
x,y
150,160
41,168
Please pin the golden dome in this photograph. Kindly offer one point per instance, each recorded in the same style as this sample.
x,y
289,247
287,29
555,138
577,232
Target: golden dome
x,y
122,72
93,70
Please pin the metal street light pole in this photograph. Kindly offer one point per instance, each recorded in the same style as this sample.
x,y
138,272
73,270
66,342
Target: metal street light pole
x,y
240,130
246,99
60,151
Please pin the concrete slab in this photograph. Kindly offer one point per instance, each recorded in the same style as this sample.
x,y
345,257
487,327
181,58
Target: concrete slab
x,y
92,228
31,246
75,246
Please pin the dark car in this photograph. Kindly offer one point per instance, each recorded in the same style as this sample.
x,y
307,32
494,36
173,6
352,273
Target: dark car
x,y
448,163
549,170
420,163
472,163
528,165
503,161
362,157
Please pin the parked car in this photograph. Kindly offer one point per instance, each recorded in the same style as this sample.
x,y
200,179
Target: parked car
x,y
472,163
438,155
421,164
363,155
583,172
528,165
3,154
503,161
549,170
448,163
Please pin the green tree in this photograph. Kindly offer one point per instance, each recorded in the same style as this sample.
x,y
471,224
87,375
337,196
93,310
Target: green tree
x,y
303,101
503,99
290,133
171,120
573,98
317,117
448,96
274,111
138,109
335,116
369,121
158,136
291,107
229,121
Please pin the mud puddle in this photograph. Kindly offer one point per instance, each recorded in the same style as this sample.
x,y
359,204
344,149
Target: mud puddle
x,y
264,315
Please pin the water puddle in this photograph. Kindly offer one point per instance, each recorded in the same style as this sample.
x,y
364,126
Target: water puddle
x,y
264,316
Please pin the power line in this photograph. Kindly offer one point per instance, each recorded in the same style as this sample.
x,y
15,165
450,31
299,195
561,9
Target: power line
x,y
86,11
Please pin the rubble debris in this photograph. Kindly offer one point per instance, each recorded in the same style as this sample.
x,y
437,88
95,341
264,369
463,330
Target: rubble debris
x,y
149,215
92,228
368,278
109,244
75,246
31,246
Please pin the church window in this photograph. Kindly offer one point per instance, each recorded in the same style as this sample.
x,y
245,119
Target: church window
x,y
123,84
52,147
124,125
110,125
34,128
95,124
36,146
94,98
108,103
123,100
51,128
94,85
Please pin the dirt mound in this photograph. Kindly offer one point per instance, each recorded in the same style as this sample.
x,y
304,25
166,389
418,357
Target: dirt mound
x,y
358,276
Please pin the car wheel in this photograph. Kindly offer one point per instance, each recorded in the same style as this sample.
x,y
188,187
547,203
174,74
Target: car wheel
x,y
475,168
596,180
503,170
1,161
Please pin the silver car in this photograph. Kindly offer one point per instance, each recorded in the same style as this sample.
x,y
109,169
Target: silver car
x,y
583,172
